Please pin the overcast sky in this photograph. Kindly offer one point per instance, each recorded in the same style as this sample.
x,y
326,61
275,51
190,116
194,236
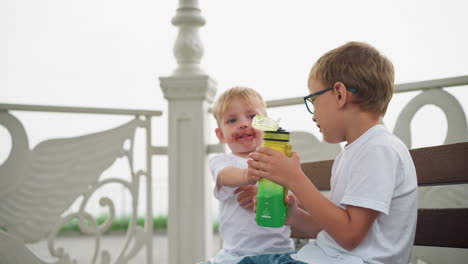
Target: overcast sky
x,y
97,52
110,53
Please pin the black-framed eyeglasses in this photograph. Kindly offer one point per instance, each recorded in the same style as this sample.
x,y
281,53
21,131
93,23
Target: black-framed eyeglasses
x,y
309,100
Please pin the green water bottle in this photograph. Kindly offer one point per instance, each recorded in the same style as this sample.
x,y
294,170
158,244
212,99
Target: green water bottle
x,y
271,209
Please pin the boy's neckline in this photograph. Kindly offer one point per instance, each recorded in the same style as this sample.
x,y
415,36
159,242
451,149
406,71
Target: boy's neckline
x,y
360,126
363,135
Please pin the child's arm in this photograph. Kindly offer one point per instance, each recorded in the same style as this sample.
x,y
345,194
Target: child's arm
x,y
234,177
347,226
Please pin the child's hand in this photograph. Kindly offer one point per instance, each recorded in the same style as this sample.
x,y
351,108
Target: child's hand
x,y
293,209
251,179
275,166
246,196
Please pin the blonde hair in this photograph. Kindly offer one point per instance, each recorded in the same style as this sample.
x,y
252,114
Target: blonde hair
x,y
245,94
360,66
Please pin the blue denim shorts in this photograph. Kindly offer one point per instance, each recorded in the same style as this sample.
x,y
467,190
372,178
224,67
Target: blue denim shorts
x,y
271,259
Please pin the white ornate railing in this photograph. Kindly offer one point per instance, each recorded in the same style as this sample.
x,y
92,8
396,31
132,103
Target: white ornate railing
x,y
38,186
399,88
432,93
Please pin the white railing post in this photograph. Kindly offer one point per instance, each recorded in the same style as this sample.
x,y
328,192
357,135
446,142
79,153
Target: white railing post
x,y
189,92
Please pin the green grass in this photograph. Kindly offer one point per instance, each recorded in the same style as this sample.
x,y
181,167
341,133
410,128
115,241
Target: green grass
x,y
121,224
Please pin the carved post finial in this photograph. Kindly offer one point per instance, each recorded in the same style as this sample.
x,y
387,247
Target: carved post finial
x,y
188,48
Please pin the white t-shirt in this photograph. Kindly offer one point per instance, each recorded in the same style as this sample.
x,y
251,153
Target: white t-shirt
x,y
240,233
376,171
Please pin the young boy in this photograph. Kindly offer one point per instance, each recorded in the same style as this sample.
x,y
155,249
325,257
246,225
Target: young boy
x,y
371,214
234,111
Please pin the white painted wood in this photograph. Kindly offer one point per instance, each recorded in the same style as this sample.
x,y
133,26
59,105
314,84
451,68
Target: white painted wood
x,y
189,92
216,148
188,48
399,88
81,110
190,227
432,84
309,148
147,235
457,130
13,251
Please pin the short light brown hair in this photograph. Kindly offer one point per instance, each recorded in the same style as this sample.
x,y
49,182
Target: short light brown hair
x,y
245,94
360,66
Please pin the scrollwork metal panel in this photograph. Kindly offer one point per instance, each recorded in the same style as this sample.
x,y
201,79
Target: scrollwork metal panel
x,y
456,119
38,185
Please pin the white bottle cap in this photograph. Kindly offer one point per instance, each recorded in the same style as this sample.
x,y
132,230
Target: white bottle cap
x,y
265,123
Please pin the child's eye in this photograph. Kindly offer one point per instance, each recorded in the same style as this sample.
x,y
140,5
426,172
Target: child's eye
x,y
252,116
230,121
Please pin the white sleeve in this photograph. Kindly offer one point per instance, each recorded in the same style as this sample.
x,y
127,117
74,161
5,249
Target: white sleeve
x,y
216,164
373,179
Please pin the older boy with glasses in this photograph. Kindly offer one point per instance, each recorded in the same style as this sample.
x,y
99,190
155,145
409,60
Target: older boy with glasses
x,y
371,214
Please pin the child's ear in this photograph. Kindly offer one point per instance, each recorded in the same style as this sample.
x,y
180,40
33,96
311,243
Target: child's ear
x,y
220,135
340,93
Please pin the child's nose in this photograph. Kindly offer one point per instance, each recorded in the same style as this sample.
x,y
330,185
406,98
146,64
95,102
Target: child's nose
x,y
245,122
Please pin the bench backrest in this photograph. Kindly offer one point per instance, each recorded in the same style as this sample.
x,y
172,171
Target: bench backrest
x,y
440,165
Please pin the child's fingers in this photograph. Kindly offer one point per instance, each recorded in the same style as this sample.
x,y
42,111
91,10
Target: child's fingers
x,y
266,151
246,204
246,188
240,189
258,156
257,165
242,196
246,196
245,191
257,174
254,179
245,200
296,157
290,200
